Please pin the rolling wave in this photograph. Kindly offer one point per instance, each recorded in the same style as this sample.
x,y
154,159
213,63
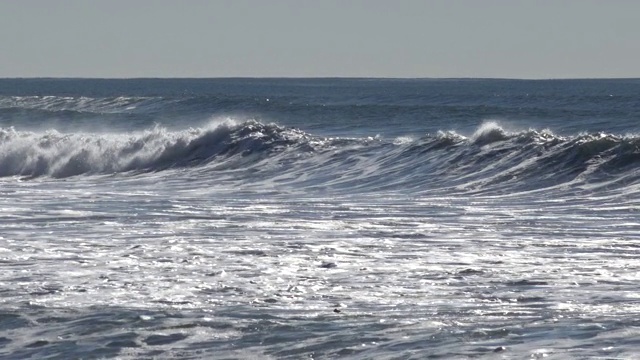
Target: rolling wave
x,y
143,105
63,155
78,104
492,159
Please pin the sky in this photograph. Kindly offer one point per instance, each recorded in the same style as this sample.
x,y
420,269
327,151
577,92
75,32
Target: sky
x,y
537,39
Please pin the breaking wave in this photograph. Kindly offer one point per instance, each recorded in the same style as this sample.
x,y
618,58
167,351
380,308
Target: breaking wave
x,y
492,159
62,155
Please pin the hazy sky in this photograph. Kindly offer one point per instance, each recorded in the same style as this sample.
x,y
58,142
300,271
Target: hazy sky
x,y
368,38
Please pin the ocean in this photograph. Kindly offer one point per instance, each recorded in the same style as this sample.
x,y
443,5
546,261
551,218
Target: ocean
x,y
319,218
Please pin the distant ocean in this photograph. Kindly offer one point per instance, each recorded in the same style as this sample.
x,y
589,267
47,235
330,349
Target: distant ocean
x,y
319,218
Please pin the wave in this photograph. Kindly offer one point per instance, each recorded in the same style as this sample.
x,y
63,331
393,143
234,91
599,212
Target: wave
x,y
141,105
62,155
492,159
102,105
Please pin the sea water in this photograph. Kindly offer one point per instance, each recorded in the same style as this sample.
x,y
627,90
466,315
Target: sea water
x,y
319,218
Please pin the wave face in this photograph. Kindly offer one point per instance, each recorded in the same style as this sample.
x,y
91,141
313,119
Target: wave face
x,y
490,159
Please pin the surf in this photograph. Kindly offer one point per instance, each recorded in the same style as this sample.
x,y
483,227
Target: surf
x,y
491,159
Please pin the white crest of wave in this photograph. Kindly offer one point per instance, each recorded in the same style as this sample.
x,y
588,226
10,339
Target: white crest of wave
x,y
62,155
489,132
403,140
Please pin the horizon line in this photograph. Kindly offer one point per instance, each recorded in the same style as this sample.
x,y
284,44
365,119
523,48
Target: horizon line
x,y
304,78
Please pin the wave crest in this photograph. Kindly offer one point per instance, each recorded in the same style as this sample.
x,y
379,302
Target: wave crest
x,y
63,155
489,132
257,153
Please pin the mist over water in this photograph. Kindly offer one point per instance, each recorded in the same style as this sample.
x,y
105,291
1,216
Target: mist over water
x,y
297,218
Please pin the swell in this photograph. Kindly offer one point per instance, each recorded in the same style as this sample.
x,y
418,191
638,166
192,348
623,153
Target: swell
x,y
81,104
141,105
492,159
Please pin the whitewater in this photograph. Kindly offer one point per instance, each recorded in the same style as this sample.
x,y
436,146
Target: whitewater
x,y
319,218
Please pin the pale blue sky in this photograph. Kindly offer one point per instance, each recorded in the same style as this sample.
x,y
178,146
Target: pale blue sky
x,y
360,38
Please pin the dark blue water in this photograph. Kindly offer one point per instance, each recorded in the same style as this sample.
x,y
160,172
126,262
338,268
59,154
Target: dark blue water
x,y
338,107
